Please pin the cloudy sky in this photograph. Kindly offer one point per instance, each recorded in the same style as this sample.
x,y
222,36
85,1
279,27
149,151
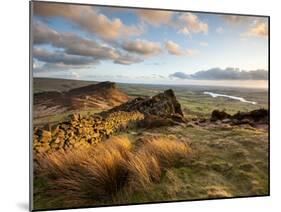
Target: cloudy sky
x,y
148,46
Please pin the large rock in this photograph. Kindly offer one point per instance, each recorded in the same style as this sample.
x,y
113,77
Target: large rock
x,y
152,121
260,116
219,115
164,105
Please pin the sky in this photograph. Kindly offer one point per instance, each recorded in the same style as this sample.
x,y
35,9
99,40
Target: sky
x,y
148,46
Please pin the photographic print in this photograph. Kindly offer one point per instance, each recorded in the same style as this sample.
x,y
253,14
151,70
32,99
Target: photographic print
x,y
138,105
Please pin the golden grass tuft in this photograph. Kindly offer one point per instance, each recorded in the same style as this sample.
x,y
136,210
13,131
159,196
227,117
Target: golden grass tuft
x,y
143,170
85,176
169,152
119,143
217,192
95,173
155,156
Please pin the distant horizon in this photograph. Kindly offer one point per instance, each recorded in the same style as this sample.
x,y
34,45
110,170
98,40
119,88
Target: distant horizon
x,y
163,84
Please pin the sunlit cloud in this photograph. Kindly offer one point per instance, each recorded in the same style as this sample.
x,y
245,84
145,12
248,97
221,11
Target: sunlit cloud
x,y
142,47
192,24
236,19
257,26
77,48
260,29
174,49
89,19
155,17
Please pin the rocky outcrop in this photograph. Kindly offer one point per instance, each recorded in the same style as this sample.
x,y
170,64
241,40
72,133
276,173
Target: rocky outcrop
x,y
260,116
164,105
152,121
219,115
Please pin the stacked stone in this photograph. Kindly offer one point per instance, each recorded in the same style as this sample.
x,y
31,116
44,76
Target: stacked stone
x,y
81,131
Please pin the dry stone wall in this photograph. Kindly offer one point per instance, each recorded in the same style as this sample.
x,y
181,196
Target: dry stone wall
x,y
81,131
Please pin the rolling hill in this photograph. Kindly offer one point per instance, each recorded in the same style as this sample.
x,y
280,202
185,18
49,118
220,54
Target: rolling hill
x,y
104,95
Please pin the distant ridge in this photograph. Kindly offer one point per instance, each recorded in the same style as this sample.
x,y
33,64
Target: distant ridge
x,y
104,95
41,84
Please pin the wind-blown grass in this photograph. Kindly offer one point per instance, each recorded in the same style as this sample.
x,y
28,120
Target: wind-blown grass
x,y
95,175
169,152
144,169
82,175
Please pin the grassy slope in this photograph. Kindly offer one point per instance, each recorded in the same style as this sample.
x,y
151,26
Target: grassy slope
x,y
228,161
62,117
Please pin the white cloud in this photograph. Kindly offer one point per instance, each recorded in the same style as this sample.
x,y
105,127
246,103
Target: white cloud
x,y
75,50
89,19
184,31
142,47
61,57
224,74
175,49
260,29
189,22
236,19
155,17
192,52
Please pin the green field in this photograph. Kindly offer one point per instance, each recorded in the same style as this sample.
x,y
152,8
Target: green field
x,y
196,104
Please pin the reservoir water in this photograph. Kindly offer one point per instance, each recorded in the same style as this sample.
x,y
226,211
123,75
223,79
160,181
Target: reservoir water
x,y
241,99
